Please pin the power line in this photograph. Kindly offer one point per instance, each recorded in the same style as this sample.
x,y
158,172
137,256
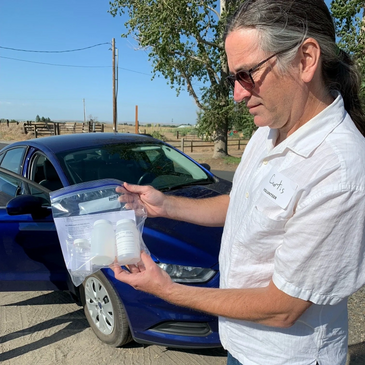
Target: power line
x,y
60,65
52,64
64,51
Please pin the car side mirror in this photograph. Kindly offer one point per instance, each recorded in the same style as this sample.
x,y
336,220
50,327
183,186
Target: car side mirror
x,y
206,166
28,204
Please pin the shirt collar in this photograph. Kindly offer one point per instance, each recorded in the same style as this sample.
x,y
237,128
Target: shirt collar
x,y
310,135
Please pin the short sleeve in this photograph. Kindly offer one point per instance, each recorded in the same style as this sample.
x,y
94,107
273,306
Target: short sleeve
x,y
322,256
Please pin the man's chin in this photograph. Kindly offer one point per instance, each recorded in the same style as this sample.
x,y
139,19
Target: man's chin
x,y
259,121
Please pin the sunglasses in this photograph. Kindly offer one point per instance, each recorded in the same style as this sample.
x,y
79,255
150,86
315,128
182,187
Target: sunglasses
x,y
245,78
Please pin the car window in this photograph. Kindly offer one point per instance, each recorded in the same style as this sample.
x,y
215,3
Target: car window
x,y
36,168
12,185
157,164
43,172
13,159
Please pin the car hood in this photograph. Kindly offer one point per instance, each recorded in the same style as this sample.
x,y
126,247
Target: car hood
x,y
182,243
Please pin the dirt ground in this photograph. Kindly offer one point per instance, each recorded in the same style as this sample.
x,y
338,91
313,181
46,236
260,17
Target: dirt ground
x,y
47,328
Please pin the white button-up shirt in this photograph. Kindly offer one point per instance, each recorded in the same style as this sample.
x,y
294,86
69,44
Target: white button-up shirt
x,y
297,216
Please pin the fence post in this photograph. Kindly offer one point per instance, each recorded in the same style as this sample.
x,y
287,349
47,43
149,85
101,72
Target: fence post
x,y
191,144
239,144
182,144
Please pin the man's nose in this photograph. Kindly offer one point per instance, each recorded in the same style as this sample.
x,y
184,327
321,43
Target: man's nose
x,y
240,93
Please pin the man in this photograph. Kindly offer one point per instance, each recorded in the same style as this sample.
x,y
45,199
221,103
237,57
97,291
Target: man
x,y
293,247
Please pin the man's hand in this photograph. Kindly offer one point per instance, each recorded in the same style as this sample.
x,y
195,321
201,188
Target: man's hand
x,y
137,196
267,305
145,276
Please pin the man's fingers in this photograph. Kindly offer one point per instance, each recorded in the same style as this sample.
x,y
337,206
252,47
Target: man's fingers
x,y
119,273
133,268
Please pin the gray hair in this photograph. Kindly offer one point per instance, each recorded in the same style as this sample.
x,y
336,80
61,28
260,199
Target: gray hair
x,y
287,23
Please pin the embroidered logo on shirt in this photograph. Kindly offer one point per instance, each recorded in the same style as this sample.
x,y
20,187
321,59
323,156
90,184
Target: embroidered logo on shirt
x,y
278,188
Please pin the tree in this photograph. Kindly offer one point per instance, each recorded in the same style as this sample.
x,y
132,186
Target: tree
x,y
349,16
39,119
184,42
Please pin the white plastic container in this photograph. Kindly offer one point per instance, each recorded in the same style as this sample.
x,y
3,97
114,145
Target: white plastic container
x,y
127,240
102,243
81,256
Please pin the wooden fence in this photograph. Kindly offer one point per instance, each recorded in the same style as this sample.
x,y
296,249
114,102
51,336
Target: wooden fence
x,y
54,128
189,144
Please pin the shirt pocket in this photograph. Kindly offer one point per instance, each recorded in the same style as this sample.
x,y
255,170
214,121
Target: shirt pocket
x,y
260,235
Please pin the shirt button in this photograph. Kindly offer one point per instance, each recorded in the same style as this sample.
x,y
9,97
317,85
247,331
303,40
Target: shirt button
x,y
247,195
265,162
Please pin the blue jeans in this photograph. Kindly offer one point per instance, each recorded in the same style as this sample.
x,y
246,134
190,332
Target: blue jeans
x,y
232,361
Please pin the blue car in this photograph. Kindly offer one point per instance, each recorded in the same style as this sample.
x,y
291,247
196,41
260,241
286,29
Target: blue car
x,y
30,253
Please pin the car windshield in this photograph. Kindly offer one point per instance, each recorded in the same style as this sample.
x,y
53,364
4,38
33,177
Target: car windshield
x,y
145,164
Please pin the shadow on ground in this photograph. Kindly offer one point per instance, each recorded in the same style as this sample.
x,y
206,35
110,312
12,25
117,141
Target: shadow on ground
x,y
357,354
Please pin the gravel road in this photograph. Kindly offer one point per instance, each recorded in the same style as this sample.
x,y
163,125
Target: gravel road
x,y
47,328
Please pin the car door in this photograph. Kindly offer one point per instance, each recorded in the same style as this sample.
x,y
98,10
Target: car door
x,y
30,253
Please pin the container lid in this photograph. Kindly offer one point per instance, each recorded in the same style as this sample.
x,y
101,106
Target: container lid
x,y
122,221
102,221
81,242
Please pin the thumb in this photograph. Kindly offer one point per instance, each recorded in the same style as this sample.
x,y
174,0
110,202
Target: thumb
x,y
132,188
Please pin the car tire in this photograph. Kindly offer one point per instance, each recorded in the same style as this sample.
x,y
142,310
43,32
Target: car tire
x,y
105,311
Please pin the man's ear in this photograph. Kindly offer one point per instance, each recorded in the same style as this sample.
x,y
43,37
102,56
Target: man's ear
x,y
310,53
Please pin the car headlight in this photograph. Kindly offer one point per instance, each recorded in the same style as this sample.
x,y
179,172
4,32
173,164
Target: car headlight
x,y
187,274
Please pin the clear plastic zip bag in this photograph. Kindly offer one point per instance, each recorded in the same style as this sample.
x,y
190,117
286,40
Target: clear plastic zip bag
x,y
94,227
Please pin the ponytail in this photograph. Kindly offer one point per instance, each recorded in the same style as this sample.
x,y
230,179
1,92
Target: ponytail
x,y
341,74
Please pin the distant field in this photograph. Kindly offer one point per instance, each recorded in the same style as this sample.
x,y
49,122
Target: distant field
x,y
15,132
170,134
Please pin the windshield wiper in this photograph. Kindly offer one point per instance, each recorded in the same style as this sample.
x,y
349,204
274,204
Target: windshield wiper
x,y
185,185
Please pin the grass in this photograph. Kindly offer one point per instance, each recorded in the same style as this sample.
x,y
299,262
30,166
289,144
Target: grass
x,y
231,160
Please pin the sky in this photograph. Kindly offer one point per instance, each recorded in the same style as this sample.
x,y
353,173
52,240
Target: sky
x,y
30,86
67,85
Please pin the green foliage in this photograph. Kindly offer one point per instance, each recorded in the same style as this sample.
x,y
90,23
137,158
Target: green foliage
x,y
158,135
242,120
42,120
350,30
183,39
185,131
238,119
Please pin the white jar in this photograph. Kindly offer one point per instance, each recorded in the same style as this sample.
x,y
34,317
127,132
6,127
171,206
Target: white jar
x,y
81,256
127,239
102,243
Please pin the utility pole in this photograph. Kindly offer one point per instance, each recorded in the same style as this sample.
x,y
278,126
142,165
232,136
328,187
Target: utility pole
x,y
83,100
136,128
114,89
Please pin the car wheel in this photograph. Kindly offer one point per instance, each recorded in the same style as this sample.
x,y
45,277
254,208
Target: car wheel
x,y
105,311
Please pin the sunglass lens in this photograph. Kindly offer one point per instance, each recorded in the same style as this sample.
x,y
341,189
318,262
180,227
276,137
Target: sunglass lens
x,y
244,79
